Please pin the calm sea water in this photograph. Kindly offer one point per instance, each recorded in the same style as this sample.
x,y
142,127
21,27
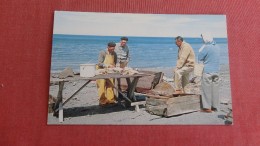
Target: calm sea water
x,y
73,50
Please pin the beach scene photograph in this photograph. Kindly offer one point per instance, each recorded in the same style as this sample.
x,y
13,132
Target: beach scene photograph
x,y
139,69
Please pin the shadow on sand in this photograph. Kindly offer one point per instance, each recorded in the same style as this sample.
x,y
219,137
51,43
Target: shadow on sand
x,y
93,110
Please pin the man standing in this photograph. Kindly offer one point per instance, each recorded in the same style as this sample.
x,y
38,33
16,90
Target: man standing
x,y
185,65
107,59
122,52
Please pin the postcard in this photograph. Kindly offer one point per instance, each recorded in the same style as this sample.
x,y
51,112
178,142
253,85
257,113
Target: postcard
x,y
139,69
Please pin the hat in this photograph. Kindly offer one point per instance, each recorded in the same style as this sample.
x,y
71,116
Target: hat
x,y
124,38
207,38
111,44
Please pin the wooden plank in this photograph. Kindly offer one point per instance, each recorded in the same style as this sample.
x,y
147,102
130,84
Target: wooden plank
x,y
155,101
137,109
156,110
177,109
59,97
173,106
183,99
138,103
157,96
101,76
60,113
171,110
174,100
115,76
153,96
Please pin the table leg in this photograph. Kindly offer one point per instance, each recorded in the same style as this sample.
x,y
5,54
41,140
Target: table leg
x,y
128,81
58,104
58,107
131,89
60,113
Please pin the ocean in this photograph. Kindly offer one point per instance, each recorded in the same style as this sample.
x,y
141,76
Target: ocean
x,y
145,52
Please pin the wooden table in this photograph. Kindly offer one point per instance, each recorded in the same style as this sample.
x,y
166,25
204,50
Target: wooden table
x,y
129,97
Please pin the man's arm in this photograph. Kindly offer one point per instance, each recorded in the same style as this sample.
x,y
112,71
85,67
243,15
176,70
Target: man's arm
x,y
115,58
116,51
183,57
101,59
202,55
127,55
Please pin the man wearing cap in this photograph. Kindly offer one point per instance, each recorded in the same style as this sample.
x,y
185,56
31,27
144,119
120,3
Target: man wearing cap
x,y
185,65
122,52
107,59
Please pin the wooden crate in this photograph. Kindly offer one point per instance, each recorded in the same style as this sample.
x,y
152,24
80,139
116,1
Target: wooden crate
x,y
171,106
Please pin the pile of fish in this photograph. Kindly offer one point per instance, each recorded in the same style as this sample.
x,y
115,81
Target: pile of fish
x,y
117,70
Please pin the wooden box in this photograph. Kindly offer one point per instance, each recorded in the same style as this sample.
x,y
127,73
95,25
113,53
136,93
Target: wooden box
x,y
171,106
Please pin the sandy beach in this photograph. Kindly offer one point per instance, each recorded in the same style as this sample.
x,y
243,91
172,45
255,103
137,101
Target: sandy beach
x,y
84,108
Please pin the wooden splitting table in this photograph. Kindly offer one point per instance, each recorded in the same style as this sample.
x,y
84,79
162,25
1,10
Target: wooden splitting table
x,y
129,97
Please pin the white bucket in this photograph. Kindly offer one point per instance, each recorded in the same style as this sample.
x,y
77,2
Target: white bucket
x,y
87,70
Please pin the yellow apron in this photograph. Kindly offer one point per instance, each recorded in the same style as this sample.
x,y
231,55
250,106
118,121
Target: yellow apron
x,y
105,90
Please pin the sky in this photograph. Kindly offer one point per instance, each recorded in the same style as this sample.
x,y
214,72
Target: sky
x,y
133,24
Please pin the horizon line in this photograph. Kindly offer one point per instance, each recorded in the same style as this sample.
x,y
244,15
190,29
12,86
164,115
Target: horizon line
x,y
130,36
